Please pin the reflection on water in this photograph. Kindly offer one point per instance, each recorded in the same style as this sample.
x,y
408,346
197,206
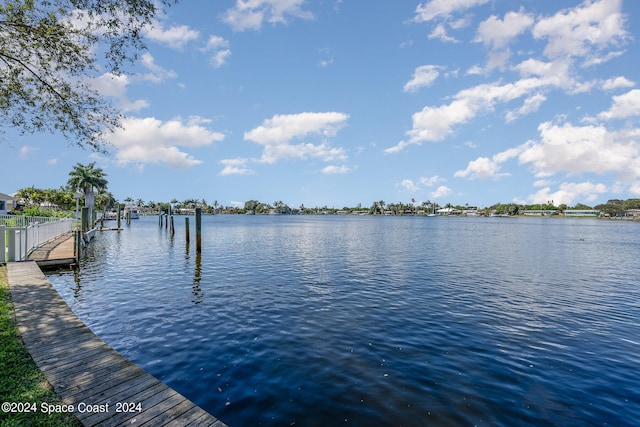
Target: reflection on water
x,y
377,321
198,294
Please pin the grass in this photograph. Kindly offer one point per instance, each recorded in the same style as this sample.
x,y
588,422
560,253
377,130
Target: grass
x,y
20,378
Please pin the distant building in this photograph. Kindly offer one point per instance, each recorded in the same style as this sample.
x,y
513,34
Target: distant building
x,y
448,211
540,212
633,213
7,203
470,211
582,212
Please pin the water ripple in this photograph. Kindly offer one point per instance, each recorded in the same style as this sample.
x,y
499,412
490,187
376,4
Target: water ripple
x,y
377,321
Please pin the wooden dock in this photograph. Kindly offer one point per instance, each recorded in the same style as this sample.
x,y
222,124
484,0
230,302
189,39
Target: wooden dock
x,y
83,370
56,253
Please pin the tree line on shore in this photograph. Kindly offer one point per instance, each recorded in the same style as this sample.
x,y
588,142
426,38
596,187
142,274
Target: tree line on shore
x,y
84,179
48,202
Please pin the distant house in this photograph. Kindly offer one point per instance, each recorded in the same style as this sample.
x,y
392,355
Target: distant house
x,y
633,212
582,212
448,211
7,203
540,212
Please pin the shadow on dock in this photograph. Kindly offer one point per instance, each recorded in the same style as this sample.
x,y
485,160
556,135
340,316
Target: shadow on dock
x,y
104,387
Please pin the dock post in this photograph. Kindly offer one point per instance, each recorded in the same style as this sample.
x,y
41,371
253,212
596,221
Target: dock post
x,y
171,228
85,219
77,248
186,229
119,219
198,230
160,217
128,217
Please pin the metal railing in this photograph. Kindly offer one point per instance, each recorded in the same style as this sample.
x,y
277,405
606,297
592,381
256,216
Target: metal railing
x,y
16,243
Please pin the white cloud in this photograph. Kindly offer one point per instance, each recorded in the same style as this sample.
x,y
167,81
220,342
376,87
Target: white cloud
x,y
415,186
583,149
624,106
25,150
236,166
276,133
216,42
440,32
332,170
157,74
616,83
569,193
149,140
409,185
475,70
489,168
498,59
499,33
582,31
220,48
431,181
436,123
220,58
481,168
443,8
175,37
531,104
250,14
441,191
423,76
116,86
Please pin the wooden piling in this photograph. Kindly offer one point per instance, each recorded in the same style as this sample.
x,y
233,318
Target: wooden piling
x,y
198,230
85,219
119,219
171,228
77,247
186,229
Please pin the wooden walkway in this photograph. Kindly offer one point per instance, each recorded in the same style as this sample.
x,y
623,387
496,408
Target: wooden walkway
x,y
83,370
56,253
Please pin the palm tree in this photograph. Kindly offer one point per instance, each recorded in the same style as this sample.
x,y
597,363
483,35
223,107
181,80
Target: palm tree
x,y
86,179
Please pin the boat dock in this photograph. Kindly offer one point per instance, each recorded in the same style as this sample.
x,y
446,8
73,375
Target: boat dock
x,y
102,387
56,253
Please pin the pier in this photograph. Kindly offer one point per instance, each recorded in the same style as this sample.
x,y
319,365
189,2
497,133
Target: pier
x,y
56,253
102,387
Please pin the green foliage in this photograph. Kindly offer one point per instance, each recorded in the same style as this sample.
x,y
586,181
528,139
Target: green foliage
x,y
30,211
617,207
48,54
581,206
87,177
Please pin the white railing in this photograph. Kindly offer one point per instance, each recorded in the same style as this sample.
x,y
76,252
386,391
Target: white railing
x,y
14,221
21,241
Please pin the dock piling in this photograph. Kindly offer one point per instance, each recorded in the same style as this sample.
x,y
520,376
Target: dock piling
x,y
198,230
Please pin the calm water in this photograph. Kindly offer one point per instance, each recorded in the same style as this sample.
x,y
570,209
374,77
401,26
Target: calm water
x,y
325,320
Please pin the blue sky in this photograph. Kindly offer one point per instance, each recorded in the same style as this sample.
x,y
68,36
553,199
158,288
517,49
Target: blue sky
x,y
340,102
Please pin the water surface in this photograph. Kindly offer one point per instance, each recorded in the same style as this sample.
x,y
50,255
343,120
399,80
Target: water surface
x,y
394,321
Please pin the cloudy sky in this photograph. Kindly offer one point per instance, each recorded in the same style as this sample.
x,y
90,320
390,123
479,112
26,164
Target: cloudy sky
x,y
341,102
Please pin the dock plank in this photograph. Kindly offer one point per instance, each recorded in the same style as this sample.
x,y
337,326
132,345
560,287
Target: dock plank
x,y
84,370
56,253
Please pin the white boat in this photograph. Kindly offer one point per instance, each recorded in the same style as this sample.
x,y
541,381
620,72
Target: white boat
x,y
131,209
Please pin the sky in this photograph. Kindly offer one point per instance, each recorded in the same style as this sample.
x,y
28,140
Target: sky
x,y
346,102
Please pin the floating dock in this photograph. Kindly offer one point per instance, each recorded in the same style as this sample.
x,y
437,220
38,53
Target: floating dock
x,y
104,387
